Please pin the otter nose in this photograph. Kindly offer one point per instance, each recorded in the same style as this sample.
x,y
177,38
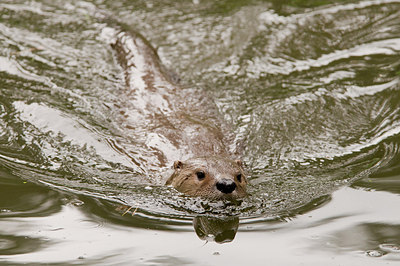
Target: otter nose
x,y
226,186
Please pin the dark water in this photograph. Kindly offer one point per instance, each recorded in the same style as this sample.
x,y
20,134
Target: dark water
x,y
311,90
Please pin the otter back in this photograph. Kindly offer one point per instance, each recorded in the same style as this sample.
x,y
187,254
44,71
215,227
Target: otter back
x,y
170,122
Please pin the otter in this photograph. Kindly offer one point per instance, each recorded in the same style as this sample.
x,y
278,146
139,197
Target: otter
x,y
178,126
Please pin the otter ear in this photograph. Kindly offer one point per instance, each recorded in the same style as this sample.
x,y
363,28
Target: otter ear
x,y
178,165
239,162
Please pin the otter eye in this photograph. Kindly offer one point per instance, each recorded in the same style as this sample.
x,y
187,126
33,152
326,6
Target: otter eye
x,y
200,175
239,177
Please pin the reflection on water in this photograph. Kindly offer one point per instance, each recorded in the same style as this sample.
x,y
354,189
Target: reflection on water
x,y
311,91
218,229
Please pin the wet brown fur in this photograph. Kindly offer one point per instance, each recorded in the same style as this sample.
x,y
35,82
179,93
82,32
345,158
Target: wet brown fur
x,y
184,124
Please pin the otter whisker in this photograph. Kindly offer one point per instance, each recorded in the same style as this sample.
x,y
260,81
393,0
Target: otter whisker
x,y
130,208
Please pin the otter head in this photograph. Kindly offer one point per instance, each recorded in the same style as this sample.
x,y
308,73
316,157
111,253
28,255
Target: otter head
x,y
210,177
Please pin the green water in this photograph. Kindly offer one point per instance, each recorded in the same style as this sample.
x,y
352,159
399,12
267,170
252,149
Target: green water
x,y
311,90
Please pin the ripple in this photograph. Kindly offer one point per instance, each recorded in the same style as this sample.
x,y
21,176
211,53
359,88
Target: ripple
x,y
6,244
279,66
24,199
12,245
76,132
390,248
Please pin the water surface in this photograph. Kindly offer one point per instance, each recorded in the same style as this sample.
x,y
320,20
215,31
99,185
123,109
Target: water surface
x,y
310,89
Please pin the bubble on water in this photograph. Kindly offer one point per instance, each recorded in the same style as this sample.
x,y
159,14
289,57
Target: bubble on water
x,y
77,203
72,201
374,253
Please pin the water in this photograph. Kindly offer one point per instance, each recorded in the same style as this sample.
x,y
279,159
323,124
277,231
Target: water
x,y
310,89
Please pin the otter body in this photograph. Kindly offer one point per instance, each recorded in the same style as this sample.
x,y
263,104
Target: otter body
x,y
176,126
